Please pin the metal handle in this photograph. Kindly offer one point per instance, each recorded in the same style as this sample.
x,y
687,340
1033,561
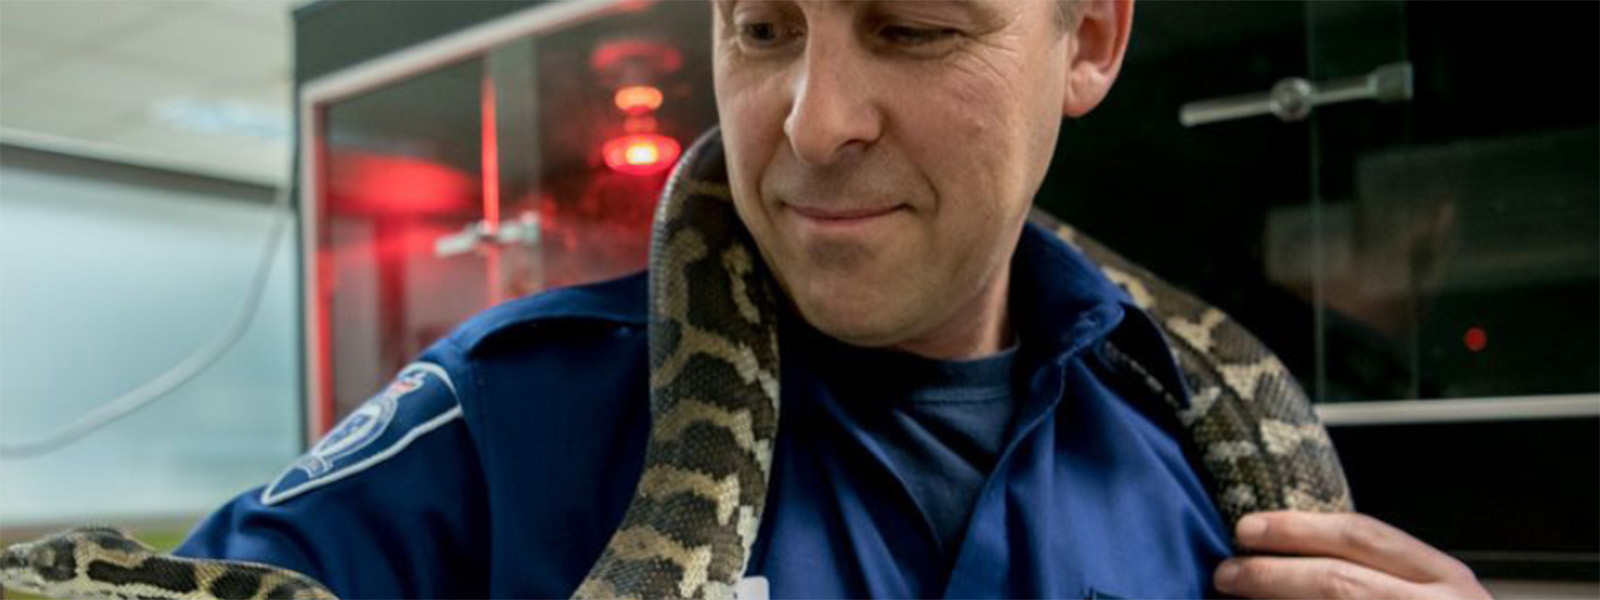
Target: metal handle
x,y
1294,97
477,235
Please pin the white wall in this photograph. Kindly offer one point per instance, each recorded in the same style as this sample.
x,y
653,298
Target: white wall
x,y
108,276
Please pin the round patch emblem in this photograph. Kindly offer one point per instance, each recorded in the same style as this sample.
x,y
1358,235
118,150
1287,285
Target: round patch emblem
x,y
419,400
360,428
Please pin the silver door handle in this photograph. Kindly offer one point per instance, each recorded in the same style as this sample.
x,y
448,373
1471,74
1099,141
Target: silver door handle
x,y
1292,98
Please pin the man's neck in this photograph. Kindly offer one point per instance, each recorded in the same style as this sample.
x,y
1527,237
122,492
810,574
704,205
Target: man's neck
x,y
980,327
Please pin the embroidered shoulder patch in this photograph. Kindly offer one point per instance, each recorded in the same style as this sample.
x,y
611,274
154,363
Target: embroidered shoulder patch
x,y
419,400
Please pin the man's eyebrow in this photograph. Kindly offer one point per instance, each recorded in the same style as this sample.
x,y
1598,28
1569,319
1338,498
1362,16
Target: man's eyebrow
x,y
977,11
981,11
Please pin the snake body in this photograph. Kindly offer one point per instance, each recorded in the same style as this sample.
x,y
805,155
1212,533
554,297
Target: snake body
x,y
714,311
102,562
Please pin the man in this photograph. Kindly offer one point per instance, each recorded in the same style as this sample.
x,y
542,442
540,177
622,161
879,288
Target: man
x,y
950,428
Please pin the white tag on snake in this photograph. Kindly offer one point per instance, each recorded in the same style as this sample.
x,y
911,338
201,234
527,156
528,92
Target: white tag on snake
x,y
752,588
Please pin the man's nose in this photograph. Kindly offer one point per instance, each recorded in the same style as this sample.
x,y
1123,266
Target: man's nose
x,y
832,112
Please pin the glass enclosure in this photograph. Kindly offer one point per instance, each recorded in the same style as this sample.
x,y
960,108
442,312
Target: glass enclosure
x,y
1417,230
1408,224
1403,200
1460,237
530,166
1435,238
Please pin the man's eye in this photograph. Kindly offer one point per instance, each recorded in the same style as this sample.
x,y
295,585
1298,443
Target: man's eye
x,y
914,36
761,35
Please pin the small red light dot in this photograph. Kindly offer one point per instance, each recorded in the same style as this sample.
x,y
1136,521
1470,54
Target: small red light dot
x,y
1476,339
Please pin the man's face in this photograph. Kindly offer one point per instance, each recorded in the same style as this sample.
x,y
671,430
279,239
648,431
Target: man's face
x,y
884,154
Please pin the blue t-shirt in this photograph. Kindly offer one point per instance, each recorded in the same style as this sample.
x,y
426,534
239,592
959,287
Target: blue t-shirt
x,y
942,423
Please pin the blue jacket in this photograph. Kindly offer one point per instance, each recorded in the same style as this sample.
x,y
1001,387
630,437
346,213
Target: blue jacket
x,y
499,464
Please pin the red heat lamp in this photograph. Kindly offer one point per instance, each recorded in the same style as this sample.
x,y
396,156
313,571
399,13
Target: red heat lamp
x,y
631,66
641,154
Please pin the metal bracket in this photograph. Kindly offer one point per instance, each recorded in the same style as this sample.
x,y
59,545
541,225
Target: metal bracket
x,y
1293,98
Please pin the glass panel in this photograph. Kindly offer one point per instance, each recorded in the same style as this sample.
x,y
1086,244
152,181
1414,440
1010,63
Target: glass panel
x,y
1203,207
1442,247
1457,238
402,169
637,82
1460,232
533,166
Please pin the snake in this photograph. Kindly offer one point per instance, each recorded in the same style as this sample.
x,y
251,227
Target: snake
x,y
714,309
105,562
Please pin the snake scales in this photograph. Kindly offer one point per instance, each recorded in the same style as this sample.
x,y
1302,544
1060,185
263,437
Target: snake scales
x,y
714,401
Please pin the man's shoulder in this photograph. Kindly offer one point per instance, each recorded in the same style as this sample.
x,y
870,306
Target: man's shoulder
x,y
530,370
557,314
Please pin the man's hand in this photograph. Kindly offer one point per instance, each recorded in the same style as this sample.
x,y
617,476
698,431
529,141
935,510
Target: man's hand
x,y
1343,555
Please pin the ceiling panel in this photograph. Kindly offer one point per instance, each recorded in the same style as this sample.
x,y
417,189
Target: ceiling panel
x,y
120,84
266,12
80,22
21,52
68,116
211,44
109,71
225,153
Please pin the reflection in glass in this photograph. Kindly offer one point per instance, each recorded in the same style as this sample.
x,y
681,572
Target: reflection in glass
x,y
532,166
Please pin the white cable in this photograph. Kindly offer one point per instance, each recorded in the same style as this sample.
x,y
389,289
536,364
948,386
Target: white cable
x,y
180,373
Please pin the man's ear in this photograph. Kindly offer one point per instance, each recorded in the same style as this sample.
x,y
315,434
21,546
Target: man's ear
x,y
1099,39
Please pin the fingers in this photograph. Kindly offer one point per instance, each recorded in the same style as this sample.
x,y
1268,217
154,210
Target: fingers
x,y
1343,555
1353,537
1285,577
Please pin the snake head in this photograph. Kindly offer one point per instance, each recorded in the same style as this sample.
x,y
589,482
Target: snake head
x,y
45,565
31,566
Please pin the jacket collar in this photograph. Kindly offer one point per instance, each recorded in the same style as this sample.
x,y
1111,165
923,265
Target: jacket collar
x,y
1060,302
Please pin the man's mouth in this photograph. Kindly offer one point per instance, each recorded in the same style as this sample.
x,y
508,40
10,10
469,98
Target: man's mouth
x,y
842,215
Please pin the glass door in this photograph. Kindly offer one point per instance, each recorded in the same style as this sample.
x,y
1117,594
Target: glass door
x,y
526,155
1454,267
1457,248
1402,200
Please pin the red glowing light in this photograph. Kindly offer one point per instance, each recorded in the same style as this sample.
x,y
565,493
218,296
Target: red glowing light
x,y
491,188
639,125
1476,339
491,156
643,154
363,183
615,60
638,99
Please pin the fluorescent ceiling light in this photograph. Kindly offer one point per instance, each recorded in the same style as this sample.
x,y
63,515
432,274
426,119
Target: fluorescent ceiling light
x,y
225,117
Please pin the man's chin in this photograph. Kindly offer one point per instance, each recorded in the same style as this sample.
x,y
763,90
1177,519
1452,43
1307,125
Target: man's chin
x,y
853,324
